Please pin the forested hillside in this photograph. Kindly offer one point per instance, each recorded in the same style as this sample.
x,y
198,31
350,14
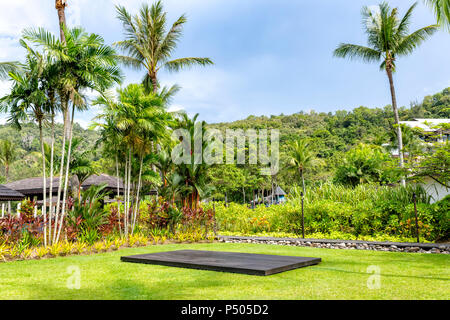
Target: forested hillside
x,y
331,135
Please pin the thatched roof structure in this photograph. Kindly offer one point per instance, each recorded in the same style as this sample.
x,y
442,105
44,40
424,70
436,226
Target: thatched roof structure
x,y
7,194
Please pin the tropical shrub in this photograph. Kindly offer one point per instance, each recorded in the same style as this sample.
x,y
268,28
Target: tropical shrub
x,y
360,212
87,215
25,228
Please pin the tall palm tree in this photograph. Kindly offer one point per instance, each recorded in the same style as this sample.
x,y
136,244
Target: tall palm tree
x,y
388,38
8,155
301,157
149,45
83,62
28,99
441,9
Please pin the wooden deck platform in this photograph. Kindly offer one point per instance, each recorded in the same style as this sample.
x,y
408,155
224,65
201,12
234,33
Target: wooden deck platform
x,y
235,262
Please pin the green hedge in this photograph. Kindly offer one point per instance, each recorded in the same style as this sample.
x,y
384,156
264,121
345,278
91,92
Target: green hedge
x,y
364,211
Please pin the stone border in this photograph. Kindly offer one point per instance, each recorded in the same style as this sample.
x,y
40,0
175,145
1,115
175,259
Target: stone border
x,y
443,248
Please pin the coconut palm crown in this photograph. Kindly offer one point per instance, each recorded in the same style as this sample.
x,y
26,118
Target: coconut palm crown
x,y
149,45
388,39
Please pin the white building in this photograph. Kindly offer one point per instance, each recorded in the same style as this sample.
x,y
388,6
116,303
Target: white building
x,y
436,190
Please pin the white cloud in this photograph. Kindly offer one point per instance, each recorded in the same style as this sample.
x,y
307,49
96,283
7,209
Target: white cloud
x,y
16,16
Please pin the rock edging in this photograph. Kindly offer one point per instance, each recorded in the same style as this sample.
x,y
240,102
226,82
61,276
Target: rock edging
x,y
443,248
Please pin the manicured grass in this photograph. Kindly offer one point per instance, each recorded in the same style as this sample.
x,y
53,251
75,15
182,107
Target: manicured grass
x,y
341,275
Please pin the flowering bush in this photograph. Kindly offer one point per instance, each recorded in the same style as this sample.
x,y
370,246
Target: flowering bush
x,y
24,228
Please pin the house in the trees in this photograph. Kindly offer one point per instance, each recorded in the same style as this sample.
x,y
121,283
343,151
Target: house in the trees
x,y
432,131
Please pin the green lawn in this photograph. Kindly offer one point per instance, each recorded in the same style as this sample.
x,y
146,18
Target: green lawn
x,y
341,275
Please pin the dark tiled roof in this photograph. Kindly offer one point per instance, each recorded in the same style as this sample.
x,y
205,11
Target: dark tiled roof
x,y
7,194
34,185
96,180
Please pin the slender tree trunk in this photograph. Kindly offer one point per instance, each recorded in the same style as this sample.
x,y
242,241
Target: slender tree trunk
x,y
243,192
44,182
127,213
66,180
125,199
137,192
60,6
61,169
272,191
50,192
303,180
397,120
118,191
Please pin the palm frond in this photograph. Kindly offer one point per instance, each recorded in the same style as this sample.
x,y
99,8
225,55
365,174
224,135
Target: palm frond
x,y
412,41
7,67
352,51
441,10
179,64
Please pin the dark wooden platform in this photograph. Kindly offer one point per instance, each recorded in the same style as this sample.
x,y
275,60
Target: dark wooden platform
x,y
246,263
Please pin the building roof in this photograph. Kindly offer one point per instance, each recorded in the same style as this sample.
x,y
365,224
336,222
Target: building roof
x,y
425,124
7,194
96,180
33,186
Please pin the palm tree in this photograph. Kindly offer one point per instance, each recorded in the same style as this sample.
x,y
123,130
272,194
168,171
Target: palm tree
x,y
8,155
301,157
388,38
83,62
33,96
149,45
133,122
193,173
441,9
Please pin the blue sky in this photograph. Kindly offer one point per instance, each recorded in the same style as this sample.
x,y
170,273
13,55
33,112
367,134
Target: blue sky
x,y
271,57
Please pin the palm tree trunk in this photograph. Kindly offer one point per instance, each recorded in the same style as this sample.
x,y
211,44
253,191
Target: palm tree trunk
x,y
303,181
137,192
60,6
66,179
397,120
44,180
125,198
50,192
154,82
118,191
127,213
61,169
